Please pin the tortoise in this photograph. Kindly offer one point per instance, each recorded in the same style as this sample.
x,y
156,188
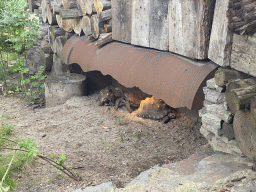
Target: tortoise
x,y
130,100
109,95
156,109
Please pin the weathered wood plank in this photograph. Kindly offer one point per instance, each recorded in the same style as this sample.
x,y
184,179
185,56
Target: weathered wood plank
x,y
190,25
159,26
243,57
221,37
122,20
140,22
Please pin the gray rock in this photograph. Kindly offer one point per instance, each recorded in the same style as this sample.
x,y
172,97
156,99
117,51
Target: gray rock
x,y
212,85
213,95
104,187
197,173
220,111
211,122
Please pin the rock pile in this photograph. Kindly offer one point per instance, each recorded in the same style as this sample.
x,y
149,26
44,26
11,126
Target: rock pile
x,y
217,120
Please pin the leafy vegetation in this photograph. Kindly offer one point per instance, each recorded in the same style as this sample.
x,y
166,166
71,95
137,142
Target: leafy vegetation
x,y
18,32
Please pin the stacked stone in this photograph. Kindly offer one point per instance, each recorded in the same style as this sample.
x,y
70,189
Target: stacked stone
x,y
217,120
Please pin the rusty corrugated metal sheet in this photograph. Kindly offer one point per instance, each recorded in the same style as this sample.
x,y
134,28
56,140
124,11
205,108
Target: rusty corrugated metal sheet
x,y
173,78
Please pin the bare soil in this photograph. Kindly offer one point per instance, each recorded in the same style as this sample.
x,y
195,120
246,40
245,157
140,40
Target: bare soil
x,y
98,148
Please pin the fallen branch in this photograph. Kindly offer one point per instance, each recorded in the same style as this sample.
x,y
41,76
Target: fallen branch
x,y
63,168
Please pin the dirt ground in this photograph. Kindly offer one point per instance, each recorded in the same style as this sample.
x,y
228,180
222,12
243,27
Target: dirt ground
x,y
98,148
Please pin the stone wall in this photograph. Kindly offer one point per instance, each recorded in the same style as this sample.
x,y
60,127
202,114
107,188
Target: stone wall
x,y
217,120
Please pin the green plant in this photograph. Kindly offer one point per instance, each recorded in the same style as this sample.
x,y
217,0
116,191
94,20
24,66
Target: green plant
x,y
11,88
27,147
118,120
18,32
36,84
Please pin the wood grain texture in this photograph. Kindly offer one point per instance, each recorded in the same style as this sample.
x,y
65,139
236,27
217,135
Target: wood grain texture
x,y
140,22
221,37
190,25
243,57
159,26
121,20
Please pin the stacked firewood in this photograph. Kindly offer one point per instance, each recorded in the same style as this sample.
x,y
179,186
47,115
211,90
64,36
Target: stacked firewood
x,y
65,18
242,16
89,17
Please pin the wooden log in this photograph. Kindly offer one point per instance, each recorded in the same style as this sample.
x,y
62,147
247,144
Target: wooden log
x,y
44,29
240,98
253,106
32,5
86,25
44,10
46,60
45,46
68,35
70,14
54,32
69,4
78,28
69,24
50,16
59,43
56,6
107,28
105,15
98,6
190,26
59,20
95,26
85,6
122,20
221,36
245,133
58,68
106,5
224,75
104,39
236,93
